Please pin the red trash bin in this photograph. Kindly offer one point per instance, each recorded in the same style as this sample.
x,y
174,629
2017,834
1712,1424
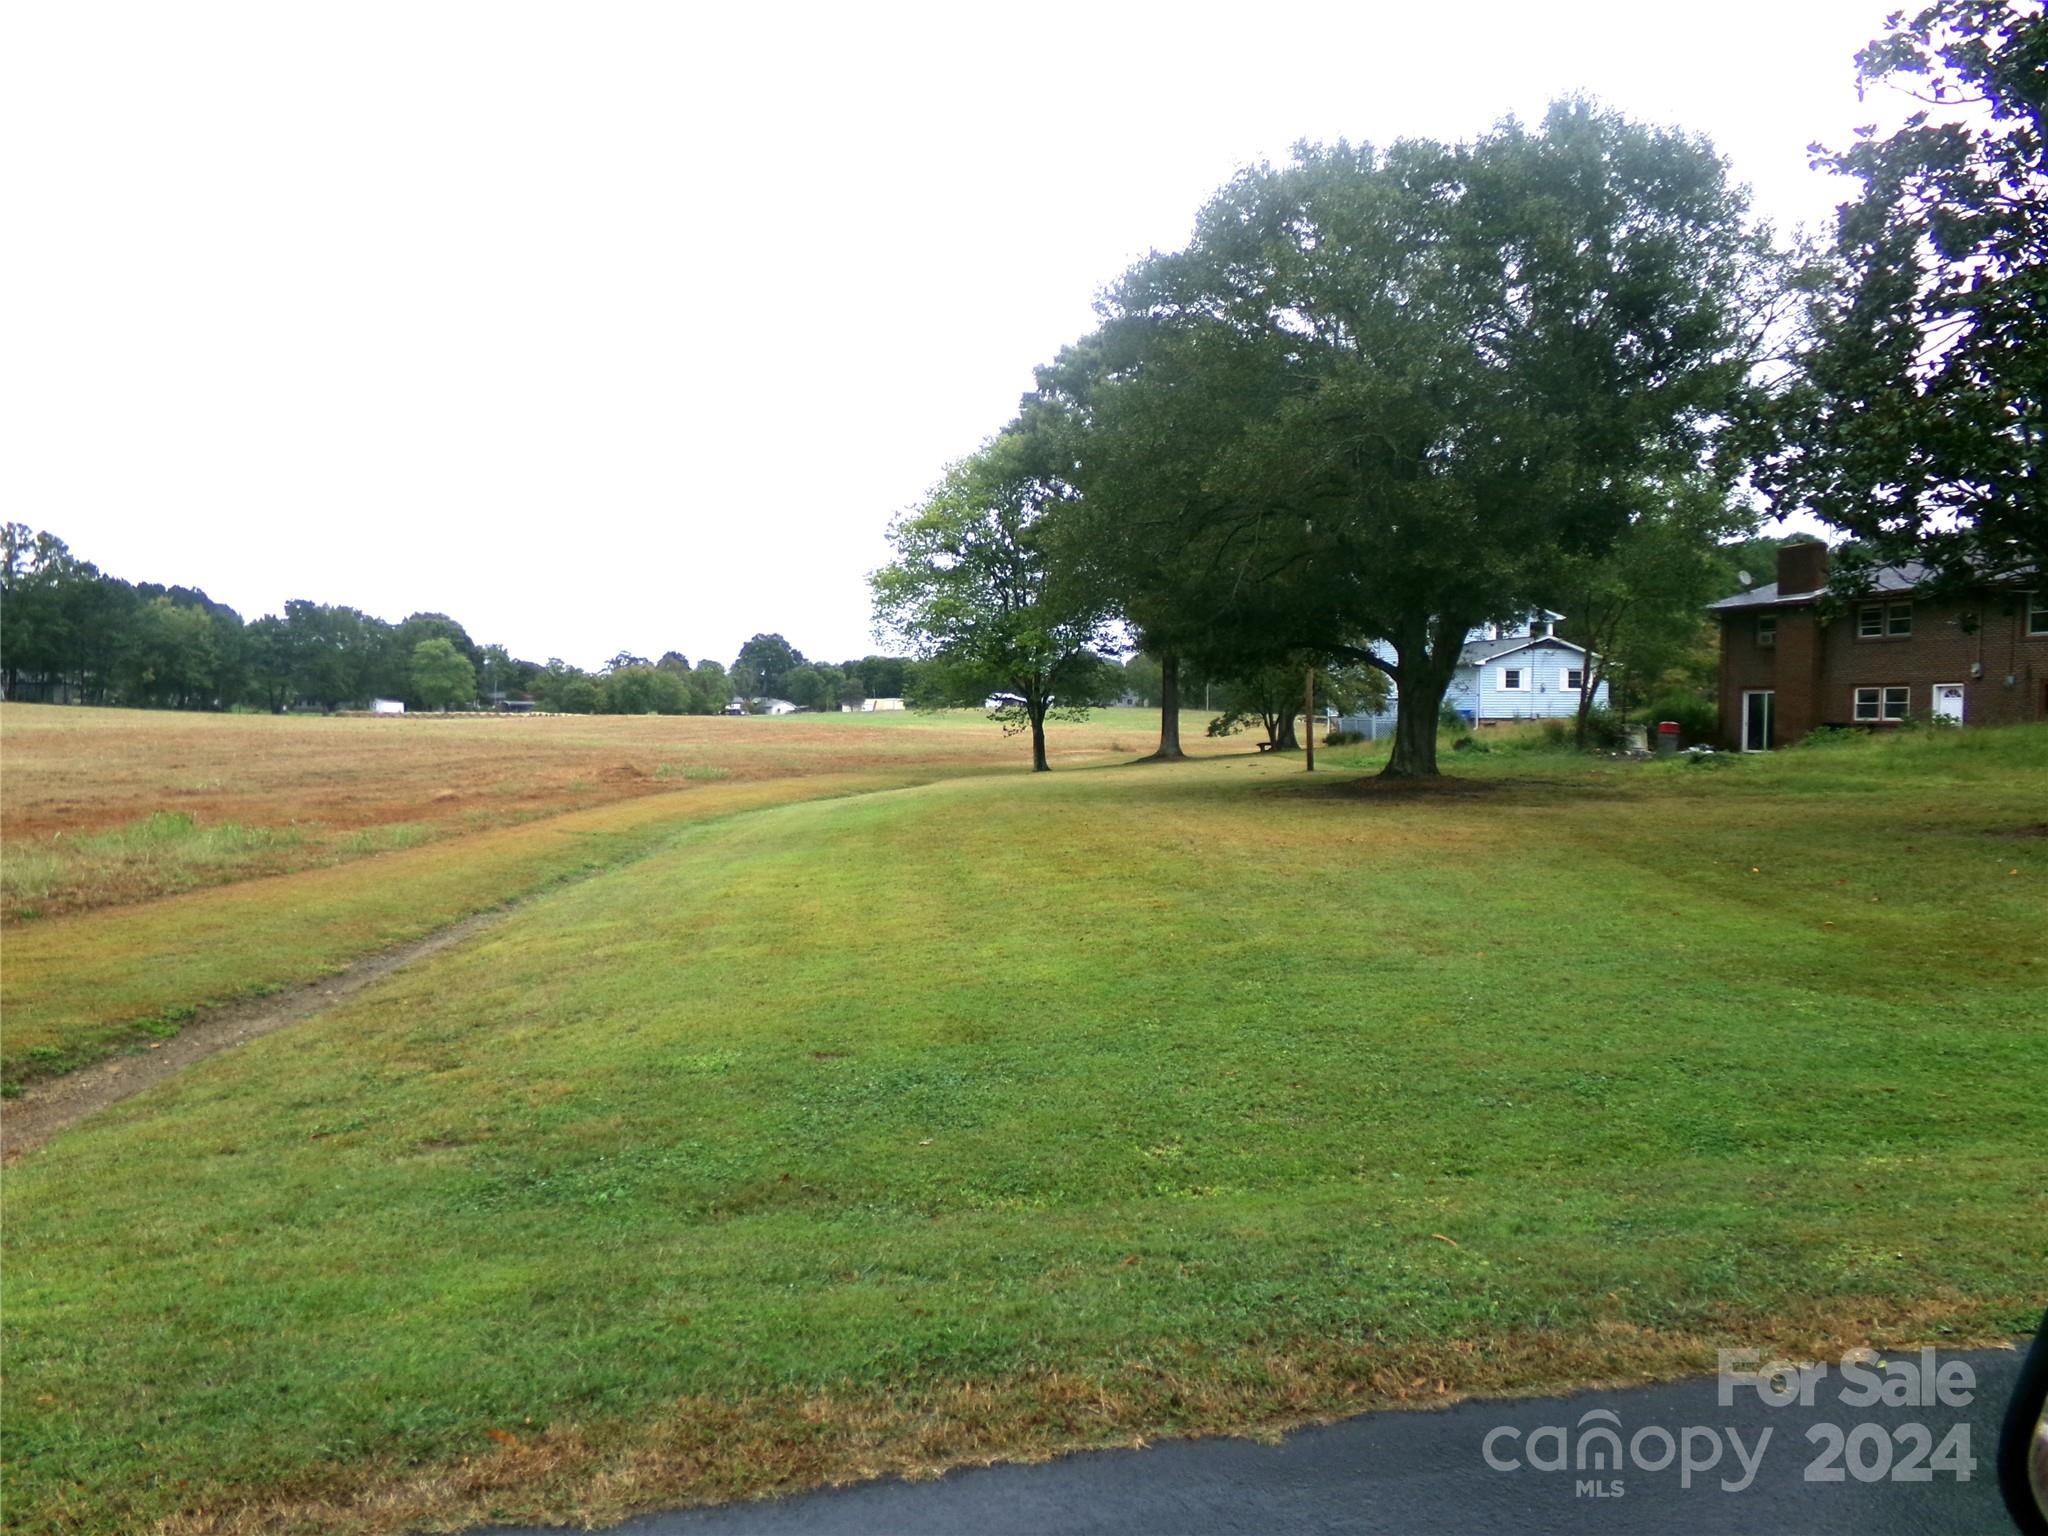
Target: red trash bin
x,y
1667,737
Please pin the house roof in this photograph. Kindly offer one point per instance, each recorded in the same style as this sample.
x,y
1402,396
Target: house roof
x,y
1885,579
1479,653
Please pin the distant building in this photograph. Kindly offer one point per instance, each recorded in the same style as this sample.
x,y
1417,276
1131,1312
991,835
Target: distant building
x,y
387,706
1508,672
761,706
871,706
1522,671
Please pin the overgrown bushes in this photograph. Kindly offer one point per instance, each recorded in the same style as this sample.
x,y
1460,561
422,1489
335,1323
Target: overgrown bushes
x,y
1699,721
1604,732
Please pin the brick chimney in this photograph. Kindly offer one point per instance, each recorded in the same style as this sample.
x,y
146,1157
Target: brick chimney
x,y
1802,567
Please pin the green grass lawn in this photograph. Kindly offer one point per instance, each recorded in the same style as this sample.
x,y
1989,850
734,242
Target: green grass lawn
x,y
1006,1114
82,985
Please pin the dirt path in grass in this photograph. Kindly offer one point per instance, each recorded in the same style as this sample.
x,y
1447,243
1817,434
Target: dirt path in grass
x,y
47,1107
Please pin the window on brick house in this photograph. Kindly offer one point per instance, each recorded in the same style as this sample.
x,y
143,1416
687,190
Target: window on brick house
x,y
1882,703
1898,618
1767,629
2037,614
1879,621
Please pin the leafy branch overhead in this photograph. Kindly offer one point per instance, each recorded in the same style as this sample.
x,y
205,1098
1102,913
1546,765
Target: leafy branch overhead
x,y
1914,420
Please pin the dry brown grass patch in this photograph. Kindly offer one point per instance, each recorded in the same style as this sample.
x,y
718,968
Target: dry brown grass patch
x,y
705,1451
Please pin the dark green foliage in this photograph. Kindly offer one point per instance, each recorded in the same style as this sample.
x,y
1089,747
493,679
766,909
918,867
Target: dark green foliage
x,y
642,690
441,675
976,589
1272,697
1386,395
1822,737
762,665
71,633
1699,720
1598,730
1914,420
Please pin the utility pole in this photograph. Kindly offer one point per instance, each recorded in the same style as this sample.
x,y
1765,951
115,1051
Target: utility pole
x,y
1308,717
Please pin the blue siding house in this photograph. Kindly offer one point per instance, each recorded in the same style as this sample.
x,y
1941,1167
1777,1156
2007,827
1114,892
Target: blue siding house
x,y
1521,671
1506,672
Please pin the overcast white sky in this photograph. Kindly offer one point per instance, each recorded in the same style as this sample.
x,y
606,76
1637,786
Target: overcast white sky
x,y
628,326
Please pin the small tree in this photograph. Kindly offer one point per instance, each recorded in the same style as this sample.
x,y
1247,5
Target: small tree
x,y
441,675
1271,697
1640,601
974,591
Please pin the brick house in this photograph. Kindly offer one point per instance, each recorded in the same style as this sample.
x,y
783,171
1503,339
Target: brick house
x,y
1890,655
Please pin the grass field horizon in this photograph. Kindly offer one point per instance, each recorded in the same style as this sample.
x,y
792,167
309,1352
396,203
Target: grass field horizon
x,y
997,1115
113,806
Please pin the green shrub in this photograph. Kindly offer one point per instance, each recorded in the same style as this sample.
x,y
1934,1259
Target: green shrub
x,y
1699,720
1343,738
1604,730
1831,736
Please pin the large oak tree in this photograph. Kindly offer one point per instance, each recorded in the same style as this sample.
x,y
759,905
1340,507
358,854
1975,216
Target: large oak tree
x,y
1481,351
1142,410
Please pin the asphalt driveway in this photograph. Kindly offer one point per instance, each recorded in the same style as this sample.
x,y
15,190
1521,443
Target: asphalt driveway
x,y
1685,1463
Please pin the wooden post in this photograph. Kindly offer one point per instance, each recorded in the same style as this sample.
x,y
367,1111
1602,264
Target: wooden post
x,y
1308,718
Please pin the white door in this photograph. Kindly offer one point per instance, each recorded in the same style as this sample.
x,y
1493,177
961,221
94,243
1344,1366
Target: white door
x,y
1948,702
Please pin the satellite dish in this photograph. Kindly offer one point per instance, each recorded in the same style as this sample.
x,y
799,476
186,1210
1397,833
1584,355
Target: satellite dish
x,y
1745,578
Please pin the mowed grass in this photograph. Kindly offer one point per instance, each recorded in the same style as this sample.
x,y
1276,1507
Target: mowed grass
x,y
271,906
109,806
77,989
996,1116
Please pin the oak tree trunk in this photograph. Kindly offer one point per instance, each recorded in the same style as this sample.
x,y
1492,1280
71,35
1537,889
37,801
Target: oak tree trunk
x,y
1422,679
1414,754
1169,709
1038,762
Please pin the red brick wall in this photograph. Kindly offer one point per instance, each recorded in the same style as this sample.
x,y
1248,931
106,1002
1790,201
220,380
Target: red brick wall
x,y
1744,664
1941,650
1816,668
